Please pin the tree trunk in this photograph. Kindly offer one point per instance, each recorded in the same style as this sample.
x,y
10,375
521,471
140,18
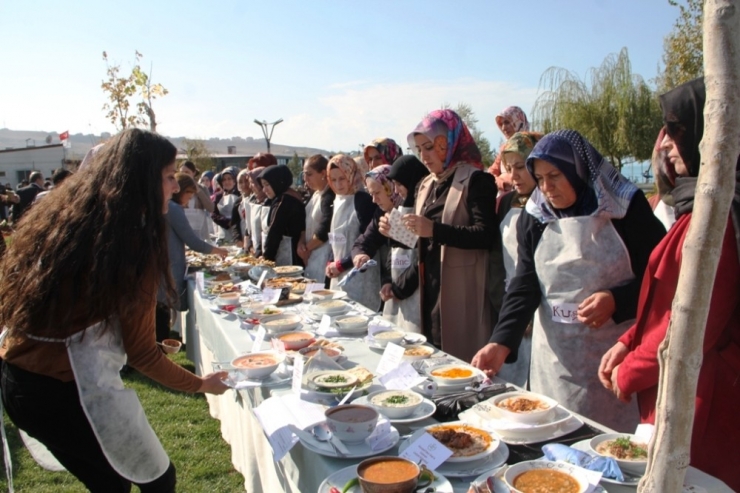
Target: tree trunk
x,y
680,354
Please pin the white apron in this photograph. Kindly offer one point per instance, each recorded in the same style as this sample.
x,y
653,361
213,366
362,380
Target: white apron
x,y
364,287
264,224
316,267
255,225
114,412
516,373
225,207
575,258
404,313
244,219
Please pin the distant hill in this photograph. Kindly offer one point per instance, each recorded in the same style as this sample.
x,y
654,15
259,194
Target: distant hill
x,y
81,143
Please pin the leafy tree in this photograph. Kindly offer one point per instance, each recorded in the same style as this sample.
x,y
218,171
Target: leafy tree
x,y
294,165
683,54
121,89
197,152
468,116
613,108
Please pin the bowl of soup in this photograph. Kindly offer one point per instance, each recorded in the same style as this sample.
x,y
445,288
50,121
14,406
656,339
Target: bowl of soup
x,y
629,451
280,323
351,423
389,474
225,299
293,341
330,307
459,374
395,404
258,365
384,337
351,323
524,407
544,476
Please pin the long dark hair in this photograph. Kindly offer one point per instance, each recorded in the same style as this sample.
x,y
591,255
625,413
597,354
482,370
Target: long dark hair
x,y
98,248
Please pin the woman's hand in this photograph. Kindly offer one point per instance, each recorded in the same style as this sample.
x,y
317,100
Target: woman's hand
x,y
302,251
213,383
332,271
360,260
221,252
419,225
595,310
386,293
490,358
384,225
610,361
615,387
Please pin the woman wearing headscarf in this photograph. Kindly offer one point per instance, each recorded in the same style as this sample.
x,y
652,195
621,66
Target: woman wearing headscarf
x,y
353,211
631,366
665,180
258,208
456,224
381,151
401,292
584,243
510,121
314,247
371,243
206,180
240,212
514,154
225,201
202,199
287,217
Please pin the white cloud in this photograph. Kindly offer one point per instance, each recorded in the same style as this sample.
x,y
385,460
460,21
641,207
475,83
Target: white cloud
x,y
355,113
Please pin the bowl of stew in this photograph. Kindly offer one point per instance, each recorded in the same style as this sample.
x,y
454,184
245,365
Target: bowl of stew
x,y
524,407
536,476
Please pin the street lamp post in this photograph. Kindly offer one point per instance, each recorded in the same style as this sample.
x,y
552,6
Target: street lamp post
x,y
268,136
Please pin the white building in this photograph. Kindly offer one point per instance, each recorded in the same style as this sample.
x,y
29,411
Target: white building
x,y
17,164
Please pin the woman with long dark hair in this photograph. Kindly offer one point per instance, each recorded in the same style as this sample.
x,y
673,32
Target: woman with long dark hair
x,y
87,267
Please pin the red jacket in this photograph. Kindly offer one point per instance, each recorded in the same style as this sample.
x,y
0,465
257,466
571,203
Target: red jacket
x,y
715,443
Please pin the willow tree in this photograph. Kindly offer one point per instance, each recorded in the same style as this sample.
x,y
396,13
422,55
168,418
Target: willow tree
x,y
680,354
682,48
613,108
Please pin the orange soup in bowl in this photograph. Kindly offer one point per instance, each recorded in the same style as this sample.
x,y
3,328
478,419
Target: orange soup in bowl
x,y
255,361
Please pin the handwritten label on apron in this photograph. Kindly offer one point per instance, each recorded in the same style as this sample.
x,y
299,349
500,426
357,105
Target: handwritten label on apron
x,y
565,313
337,239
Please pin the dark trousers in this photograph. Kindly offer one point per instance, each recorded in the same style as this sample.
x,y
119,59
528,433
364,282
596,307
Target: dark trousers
x,y
163,316
50,411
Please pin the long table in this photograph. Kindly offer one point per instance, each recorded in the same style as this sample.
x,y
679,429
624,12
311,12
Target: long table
x,y
212,338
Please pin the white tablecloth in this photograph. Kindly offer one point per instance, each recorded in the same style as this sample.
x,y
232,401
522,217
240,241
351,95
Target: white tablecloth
x,y
211,337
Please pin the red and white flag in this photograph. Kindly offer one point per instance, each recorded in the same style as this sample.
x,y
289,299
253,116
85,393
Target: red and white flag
x,y
64,135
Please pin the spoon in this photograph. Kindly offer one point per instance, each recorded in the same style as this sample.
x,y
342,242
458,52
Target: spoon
x,y
323,434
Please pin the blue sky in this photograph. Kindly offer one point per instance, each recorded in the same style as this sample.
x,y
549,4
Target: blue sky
x,y
339,73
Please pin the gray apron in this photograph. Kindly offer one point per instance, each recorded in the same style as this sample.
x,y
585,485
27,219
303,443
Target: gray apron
x,y
575,258
255,225
516,373
364,287
403,313
284,254
316,265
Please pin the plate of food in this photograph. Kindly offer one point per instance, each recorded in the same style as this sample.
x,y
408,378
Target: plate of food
x,y
425,410
330,307
524,407
288,270
415,353
326,294
364,380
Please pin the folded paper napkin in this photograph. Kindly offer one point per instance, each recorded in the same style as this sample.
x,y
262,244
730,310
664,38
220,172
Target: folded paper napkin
x,y
355,270
606,465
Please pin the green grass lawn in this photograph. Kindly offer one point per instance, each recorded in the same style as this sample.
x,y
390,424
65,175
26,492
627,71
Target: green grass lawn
x,y
191,437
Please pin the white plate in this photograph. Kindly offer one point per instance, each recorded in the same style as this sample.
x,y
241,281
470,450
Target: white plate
x,y
500,486
426,409
547,433
356,450
470,469
336,295
288,270
630,480
495,443
339,478
487,411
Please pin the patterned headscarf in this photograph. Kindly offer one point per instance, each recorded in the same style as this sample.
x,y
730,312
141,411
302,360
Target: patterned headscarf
x,y
348,166
387,148
380,174
517,117
521,143
600,189
460,144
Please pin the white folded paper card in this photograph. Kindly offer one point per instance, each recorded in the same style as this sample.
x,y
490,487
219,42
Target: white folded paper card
x,y
276,413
